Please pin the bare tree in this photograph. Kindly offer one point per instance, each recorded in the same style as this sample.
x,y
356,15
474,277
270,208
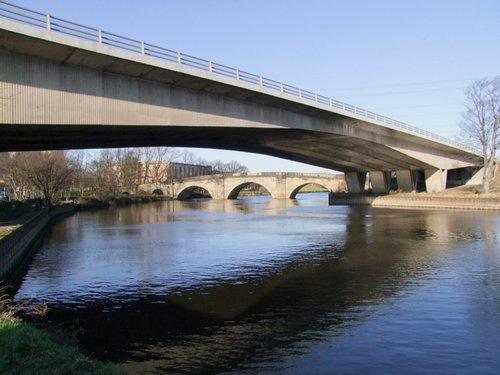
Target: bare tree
x,y
156,163
481,121
76,161
146,155
50,173
13,171
231,167
128,167
186,157
104,174
162,163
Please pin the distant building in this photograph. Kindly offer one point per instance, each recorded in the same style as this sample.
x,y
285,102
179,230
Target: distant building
x,y
162,172
190,170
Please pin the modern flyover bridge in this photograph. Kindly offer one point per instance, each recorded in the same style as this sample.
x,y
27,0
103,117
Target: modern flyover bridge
x,y
68,86
228,186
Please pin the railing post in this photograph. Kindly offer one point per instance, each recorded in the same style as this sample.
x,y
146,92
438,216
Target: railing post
x,y
300,92
47,18
142,48
281,86
316,98
179,61
261,83
238,74
210,68
99,36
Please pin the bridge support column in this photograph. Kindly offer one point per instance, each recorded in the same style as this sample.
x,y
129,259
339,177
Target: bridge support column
x,y
380,181
407,180
435,179
355,181
279,188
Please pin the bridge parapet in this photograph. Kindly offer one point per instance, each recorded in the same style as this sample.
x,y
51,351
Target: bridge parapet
x,y
100,90
67,32
228,186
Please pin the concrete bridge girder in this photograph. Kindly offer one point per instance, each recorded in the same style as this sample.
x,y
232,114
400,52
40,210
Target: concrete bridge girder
x,y
82,95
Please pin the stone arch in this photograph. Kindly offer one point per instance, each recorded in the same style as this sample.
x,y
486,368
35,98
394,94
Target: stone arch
x,y
187,192
157,192
235,191
294,192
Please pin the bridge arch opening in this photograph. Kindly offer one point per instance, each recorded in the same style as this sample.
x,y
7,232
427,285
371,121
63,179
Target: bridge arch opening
x,y
310,187
157,192
248,189
194,192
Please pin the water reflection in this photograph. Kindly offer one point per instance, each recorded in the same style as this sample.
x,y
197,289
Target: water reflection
x,y
257,285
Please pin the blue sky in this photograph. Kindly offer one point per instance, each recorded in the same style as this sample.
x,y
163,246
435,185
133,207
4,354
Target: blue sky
x,y
409,60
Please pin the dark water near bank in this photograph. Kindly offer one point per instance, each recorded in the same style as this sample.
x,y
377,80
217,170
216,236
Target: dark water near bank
x,y
276,286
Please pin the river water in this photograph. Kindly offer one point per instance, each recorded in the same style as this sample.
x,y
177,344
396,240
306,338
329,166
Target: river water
x,y
262,286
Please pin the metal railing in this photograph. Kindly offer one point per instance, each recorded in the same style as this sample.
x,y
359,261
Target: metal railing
x,y
54,24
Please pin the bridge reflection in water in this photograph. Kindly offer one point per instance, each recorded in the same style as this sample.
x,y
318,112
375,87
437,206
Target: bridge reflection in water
x,y
262,285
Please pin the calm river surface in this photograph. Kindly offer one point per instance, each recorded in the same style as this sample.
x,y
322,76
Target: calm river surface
x,y
261,286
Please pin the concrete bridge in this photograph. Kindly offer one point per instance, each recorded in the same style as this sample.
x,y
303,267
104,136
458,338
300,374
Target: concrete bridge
x,y
68,86
228,186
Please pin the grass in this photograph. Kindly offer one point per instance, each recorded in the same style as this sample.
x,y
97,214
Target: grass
x,y
27,350
5,231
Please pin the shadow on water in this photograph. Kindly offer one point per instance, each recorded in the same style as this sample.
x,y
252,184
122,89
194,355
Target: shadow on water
x,y
266,313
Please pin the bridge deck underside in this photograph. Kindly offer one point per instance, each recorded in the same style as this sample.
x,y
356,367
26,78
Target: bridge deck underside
x,y
322,149
64,94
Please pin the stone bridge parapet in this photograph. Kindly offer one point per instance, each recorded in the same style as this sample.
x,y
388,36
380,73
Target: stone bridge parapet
x,y
228,186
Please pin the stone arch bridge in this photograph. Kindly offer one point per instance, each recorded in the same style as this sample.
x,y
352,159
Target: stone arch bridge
x,y
228,186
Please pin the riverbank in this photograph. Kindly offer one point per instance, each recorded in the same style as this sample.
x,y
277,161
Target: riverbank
x,y
122,200
451,199
25,349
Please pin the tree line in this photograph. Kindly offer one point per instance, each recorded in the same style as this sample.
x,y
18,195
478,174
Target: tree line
x,y
48,174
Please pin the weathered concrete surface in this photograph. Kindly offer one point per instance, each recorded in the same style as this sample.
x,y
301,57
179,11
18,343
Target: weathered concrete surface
x,y
228,186
406,180
435,180
64,93
19,245
416,201
380,181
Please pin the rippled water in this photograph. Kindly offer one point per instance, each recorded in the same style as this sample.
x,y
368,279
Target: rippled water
x,y
276,286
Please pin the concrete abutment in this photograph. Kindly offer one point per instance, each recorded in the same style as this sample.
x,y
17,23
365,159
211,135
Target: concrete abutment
x,y
435,180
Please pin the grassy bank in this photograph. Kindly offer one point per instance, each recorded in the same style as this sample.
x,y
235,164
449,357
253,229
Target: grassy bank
x,y
25,349
5,231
